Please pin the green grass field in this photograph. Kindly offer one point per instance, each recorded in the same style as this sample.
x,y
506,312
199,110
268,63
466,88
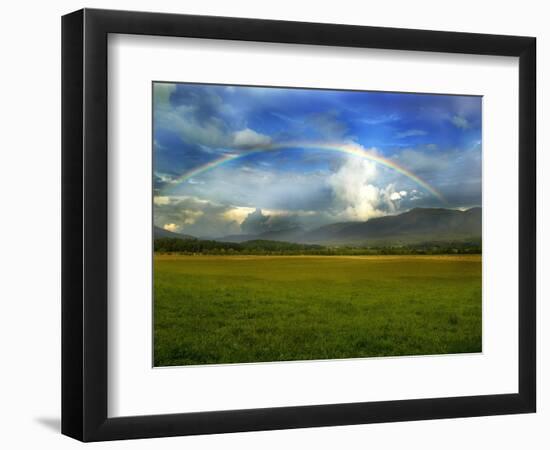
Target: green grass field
x,y
236,309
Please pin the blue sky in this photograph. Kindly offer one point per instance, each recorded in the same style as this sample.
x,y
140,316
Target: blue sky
x,y
273,144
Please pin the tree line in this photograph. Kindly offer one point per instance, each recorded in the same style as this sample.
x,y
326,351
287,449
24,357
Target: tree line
x,y
264,247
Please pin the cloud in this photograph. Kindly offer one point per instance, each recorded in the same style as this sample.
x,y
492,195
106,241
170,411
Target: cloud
x,y
193,113
211,132
380,119
394,196
163,177
191,216
456,173
286,118
171,227
421,162
460,122
257,222
410,133
208,219
238,214
199,116
161,180
327,125
162,93
160,200
203,101
356,195
195,216
248,138
254,185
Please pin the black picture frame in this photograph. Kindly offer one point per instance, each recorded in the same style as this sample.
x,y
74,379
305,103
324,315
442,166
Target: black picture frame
x,y
84,224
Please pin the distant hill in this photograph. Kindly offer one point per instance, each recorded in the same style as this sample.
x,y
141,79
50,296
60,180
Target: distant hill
x,y
287,235
414,226
237,238
161,233
418,224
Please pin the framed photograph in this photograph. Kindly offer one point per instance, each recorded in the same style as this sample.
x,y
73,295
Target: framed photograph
x,y
273,224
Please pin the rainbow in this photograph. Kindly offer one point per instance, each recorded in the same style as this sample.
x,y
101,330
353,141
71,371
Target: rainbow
x,y
346,148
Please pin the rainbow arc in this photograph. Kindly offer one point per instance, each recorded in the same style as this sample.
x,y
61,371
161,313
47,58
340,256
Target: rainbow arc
x,y
346,148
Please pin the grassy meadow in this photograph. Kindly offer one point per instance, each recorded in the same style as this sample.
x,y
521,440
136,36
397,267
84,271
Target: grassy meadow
x,y
237,309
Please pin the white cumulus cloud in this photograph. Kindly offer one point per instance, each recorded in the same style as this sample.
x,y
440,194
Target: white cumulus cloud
x,y
398,195
357,194
248,138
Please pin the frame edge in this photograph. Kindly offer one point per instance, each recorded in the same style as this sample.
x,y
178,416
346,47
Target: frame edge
x,y
527,294
72,93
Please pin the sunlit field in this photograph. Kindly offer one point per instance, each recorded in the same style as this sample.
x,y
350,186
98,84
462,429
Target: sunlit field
x,y
238,309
